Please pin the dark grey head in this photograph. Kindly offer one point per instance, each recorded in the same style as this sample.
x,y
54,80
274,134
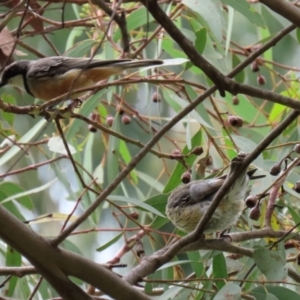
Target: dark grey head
x,y
15,74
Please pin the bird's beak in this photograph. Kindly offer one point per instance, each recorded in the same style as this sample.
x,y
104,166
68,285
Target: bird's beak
x,y
251,173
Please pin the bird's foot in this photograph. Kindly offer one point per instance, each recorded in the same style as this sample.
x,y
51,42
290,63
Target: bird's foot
x,y
224,235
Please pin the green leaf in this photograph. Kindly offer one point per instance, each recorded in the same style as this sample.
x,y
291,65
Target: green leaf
x,y
201,108
13,192
10,206
159,222
240,77
271,297
229,28
152,182
278,109
23,287
188,132
171,293
81,49
22,195
86,108
87,157
8,116
113,153
247,10
13,259
247,111
270,263
281,293
230,291
125,154
136,202
148,287
220,269
111,242
298,34
136,19
175,178
247,145
196,263
184,103
16,151
294,215
200,41
209,15
158,202
176,263
168,47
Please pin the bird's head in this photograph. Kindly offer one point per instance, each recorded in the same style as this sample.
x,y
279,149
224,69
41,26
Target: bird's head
x,y
14,74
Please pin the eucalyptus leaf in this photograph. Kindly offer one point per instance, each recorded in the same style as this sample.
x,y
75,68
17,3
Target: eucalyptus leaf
x,y
270,263
230,291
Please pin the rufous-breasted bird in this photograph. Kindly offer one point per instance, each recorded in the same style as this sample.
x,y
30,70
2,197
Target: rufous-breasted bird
x,y
188,203
51,77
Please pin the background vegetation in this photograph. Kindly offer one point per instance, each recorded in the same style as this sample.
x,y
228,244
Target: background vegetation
x,y
94,182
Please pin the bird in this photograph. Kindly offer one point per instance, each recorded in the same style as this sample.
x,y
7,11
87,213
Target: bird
x,y
188,203
51,77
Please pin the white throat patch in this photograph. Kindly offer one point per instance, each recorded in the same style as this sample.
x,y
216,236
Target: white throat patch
x,y
17,81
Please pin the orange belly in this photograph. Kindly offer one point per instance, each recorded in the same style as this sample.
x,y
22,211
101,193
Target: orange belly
x,y
48,88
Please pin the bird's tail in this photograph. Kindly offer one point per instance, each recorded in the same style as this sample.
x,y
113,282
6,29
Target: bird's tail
x,y
137,63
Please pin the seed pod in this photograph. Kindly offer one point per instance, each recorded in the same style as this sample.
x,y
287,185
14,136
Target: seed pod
x,y
235,100
126,119
176,152
208,161
289,245
156,97
95,118
120,109
254,213
275,170
261,80
235,121
197,150
297,187
134,215
186,177
255,66
91,128
297,148
251,201
109,121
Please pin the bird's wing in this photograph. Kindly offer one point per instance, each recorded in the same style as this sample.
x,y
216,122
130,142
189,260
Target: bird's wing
x,y
195,192
57,65
204,190
47,67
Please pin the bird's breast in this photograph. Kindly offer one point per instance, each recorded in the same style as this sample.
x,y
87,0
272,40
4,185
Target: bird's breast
x,y
186,218
48,88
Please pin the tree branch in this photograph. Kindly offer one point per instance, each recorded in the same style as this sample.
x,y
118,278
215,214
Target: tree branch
x,y
57,264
